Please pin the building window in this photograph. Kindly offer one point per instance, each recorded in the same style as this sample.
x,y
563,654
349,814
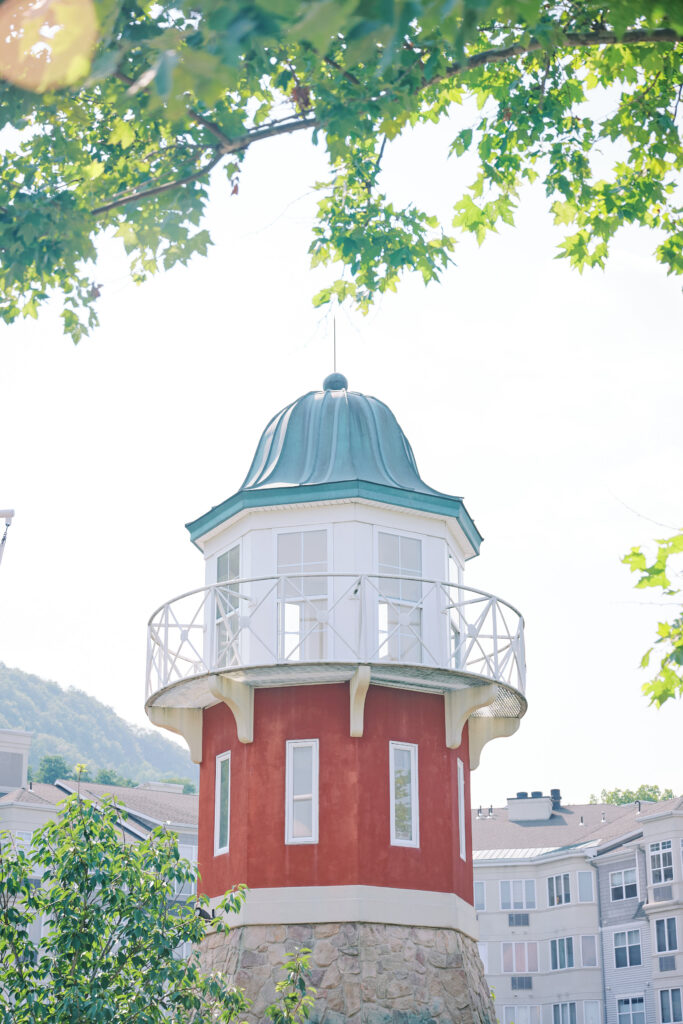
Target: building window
x,y
661,862
589,951
221,829
670,1005
302,599
518,920
561,954
631,1010
400,598
301,786
518,894
558,890
665,930
585,886
521,983
521,1015
564,1013
461,810
227,608
627,949
520,957
480,896
483,948
591,1011
404,794
623,885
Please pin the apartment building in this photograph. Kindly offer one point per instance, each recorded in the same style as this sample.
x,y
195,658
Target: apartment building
x,y
579,910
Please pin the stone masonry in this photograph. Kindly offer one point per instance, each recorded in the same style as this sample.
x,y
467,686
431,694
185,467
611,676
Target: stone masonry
x,y
365,973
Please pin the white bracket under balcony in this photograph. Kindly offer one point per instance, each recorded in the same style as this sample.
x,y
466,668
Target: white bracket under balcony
x,y
239,697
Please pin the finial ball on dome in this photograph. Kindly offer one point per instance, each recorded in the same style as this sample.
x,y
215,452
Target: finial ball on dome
x,y
335,382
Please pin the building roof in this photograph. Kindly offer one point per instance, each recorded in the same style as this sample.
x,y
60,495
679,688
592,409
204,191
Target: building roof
x,y
155,806
334,444
572,826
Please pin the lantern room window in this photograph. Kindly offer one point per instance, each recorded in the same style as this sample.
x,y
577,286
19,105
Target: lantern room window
x,y
227,607
400,599
404,794
221,834
302,600
301,786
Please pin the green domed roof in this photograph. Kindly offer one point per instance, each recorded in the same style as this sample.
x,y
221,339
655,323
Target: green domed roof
x,y
334,444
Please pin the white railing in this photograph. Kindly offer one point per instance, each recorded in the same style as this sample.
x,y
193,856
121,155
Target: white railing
x,y
335,617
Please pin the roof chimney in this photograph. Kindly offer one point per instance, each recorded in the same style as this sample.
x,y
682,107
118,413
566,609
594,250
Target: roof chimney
x,y
556,799
529,808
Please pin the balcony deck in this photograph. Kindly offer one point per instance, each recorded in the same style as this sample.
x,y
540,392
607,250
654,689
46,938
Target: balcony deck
x,y
319,627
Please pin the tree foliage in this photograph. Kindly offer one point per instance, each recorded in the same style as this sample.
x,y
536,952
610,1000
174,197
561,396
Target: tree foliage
x,y
113,927
629,796
661,574
125,125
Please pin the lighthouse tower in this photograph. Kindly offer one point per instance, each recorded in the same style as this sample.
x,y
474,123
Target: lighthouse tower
x,y
336,681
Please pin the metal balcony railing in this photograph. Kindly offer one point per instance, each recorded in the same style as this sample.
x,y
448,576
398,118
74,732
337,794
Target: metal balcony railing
x,y
335,617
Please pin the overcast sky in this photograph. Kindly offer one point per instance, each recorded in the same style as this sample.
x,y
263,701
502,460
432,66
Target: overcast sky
x,y
550,401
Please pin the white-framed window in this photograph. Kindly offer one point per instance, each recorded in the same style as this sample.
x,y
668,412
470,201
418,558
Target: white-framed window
x,y
589,951
631,1010
564,1013
227,607
221,827
301,789
462,834
519,957
521,1015
623,885
518,894
302,599
585,879
591,1011
558,890
670,1006
483,948
22,838
480,895
399,610
561,954
403,794
627,952
666,935
661,862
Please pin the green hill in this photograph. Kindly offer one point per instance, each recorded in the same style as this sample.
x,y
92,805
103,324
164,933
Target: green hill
x,y
83,730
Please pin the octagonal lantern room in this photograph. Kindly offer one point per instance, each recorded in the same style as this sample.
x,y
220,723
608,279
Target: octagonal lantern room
x,y
335,677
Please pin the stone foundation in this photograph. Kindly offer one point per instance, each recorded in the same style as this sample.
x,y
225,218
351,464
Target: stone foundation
x,y
366,973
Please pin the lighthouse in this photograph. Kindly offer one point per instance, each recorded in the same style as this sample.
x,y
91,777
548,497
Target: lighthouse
x,y
336,681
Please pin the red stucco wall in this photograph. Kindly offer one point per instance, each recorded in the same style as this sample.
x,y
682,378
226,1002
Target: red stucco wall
x,y
354,842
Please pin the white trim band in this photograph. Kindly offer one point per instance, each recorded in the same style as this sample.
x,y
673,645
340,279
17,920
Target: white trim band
x,y
373,904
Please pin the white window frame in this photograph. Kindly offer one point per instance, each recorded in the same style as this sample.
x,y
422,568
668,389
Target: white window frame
x,y
290,838
462,834
630,996
236,641
553,879
568,946
558,1017
627,946
589,875
217,848
672,1019
324,594
592,1003
595,946
421,537
527,943
482,890
415,801
522,1013
657,852
622,885
667,949
525,904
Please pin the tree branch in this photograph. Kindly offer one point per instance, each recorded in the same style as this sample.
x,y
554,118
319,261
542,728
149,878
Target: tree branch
x,y
229,146
567,40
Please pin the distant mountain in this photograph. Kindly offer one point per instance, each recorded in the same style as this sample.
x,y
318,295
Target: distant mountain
x,y
83,730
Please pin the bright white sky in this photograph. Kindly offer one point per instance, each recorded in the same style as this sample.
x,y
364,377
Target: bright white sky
x,y
550,401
